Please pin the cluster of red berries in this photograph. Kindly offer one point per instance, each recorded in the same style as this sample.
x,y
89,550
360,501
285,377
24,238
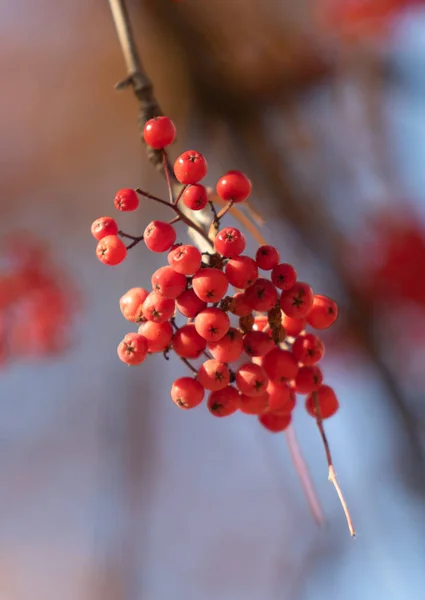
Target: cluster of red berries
x,y
256,355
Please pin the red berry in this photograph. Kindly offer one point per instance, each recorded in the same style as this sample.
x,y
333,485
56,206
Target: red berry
x,y
284,276
293,326
213,375
323,313
126,200
223,403
111,250
185,259
280,365
159,132
229,348
190,167
325,399
282,399
308,380
104,226
240,306
131,304
234,186
261,296
187,342
267,257
168,283
195,197
275,423
212,324
230,242
260,322
133,349
187,392
158,335
210,285
251,379
253,405
157,308
257,343
308,349
297,301
159,236
241,272
189,304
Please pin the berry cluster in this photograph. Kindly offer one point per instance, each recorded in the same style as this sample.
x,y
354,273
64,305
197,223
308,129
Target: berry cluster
x,y
243,318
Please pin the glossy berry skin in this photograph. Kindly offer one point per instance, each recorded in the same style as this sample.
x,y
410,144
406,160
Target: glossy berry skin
x,y
293,327
251,379
267,257
326,400
126,200
195,197
282,399
280,365
104,226
190,167
230,242
234,186
157,308
111,250
229,348
189,304
159,236
133,349
187,342
213,375
168,283
241,272
297,301
275,423
284,276
308,380
158,335
308,349
253,405
212,324
131,304
159,132
210,285
223,403
261,296
240,307
187,393
185,259
257,343
323,313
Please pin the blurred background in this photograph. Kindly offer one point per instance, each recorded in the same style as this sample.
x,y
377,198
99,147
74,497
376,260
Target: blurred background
x,y
107,490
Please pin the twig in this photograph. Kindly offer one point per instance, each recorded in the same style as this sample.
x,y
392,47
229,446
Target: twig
x,y
180,194
151,197
167,176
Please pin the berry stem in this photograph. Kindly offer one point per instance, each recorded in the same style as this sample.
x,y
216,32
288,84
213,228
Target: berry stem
x,y
187,363
179,195
218,216
332,475
167,177
151,197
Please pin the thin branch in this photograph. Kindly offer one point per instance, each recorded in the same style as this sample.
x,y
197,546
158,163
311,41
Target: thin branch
x,y
165,165
188,365
151,197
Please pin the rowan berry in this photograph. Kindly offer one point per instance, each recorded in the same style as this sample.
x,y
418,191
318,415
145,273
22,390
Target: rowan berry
x,y
326,401
253,405
190,167
251,379
234,186
284,276
293,326
282,399
195,197
323,313
308,349
210,285
185,259
308,380
104,226
240,307
223,403
229,348
297,301
213,375
111,250
241,272
159,132
167,282
133,349
257,343
187,342
280,365
275,423
189,304
126,200
131,304
187,392
260,322
212,324
230,242
158,335
157,308
159,236
261,296
267,257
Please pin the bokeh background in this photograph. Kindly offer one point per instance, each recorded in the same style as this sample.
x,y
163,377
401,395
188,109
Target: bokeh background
x,y
107,490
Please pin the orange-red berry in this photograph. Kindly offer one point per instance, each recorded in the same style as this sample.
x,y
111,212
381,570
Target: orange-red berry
x,y
159,132
234,186
223,403
111,250
323,313
187,392
324,398
213,375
